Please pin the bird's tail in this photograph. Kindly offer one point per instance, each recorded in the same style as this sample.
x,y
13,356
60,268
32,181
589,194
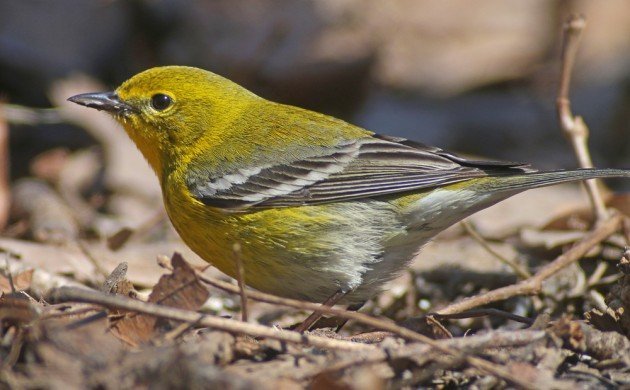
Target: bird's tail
x,y
530,180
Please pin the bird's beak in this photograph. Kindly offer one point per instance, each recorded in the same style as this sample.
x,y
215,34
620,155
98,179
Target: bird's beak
x,y
106,101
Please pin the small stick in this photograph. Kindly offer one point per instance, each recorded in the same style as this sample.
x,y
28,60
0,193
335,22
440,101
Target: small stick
x,y
574,127
240,278
439,330
483,313
597,275
520,271
66,294
9,273
533,285
5,192
83,248
626,230
22,115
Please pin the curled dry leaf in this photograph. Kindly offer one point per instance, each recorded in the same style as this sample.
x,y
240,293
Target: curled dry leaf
x,y
181,288
581,337
19,282
617,315
17,309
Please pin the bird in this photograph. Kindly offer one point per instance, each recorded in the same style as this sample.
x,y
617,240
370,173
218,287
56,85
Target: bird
x,y
323,210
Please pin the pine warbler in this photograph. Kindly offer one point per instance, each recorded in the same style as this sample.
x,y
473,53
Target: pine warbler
x,y
322,209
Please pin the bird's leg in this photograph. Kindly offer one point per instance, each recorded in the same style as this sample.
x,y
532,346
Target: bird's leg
x,y
353,307
316,315
335,322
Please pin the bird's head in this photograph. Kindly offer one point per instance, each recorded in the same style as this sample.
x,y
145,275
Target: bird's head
x,y
167,110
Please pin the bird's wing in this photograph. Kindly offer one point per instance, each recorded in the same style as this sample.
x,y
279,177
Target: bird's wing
x,y
363,168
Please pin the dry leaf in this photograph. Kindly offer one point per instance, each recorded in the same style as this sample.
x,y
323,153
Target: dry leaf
x,y
181,288
17,309
21,281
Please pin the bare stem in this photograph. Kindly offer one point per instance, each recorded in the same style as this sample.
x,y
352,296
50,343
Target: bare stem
x,y
5,193
65,294
240,278
574,127
520,271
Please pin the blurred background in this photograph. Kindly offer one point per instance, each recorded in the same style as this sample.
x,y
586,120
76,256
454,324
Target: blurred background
x,y
475,77
478,77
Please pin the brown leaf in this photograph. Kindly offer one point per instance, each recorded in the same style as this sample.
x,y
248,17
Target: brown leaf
x,y
17,309
617,314
118,239
181,288
605,321
21,281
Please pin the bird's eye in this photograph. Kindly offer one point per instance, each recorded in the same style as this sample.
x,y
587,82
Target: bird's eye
x,y
161,102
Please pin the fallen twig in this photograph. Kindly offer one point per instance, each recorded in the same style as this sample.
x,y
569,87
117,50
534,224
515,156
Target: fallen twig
x,y
5,192
574,127
533,285
71,294
240,278
22,115
482,313
520,271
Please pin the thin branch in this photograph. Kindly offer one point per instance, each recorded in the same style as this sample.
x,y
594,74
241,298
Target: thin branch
x,y
483,313
520,271
574,127
5,192
85,250
21,115
533,285
240,278
73,294
9,274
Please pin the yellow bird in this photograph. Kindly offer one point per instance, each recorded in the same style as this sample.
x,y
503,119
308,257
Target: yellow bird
x,y
324,211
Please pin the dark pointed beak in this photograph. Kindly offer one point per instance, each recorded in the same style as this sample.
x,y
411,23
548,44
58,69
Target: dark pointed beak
x,y
106,101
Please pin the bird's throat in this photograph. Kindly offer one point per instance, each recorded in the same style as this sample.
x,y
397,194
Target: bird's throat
x,y
151,152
